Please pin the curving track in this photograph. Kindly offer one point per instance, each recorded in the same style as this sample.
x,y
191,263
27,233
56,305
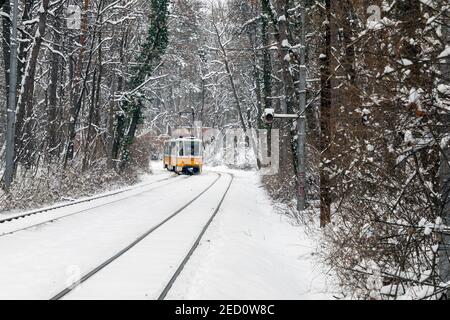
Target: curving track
x,y
72,203
103,246
41,220
156,251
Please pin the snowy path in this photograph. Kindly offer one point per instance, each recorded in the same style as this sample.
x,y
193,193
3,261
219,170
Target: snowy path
x,y
248,251
251,252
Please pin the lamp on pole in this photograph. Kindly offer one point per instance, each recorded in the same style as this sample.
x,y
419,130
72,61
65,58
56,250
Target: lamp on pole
x,y
11,110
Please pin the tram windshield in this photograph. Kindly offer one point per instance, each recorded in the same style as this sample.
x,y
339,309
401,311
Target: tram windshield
x,y
192,148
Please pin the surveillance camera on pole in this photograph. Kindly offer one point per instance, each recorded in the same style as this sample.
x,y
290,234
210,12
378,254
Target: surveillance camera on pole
x,y
268,115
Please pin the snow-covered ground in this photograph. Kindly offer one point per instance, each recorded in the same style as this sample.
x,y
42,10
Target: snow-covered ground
x,y
249,251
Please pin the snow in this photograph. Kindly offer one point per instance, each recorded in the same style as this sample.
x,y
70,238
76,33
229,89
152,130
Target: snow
x,y
145,270
405,62
30,22
414,95
285,43
249,251
444,89
445,53
408,138
39,258
445,141
388,69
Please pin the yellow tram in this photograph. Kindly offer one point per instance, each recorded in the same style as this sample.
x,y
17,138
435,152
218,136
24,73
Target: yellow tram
x,y
183,155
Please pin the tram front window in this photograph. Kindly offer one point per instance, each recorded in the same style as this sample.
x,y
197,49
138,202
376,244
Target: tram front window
x,y
192,148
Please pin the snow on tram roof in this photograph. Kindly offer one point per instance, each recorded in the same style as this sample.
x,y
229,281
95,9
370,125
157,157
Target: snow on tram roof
x,y
185,139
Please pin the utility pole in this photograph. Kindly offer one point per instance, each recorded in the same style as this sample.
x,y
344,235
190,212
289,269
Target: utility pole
x,y
269,115
202,55
444,177
301,126
11,110
444,247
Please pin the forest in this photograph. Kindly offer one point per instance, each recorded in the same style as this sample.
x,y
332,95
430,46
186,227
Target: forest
x,y
99,81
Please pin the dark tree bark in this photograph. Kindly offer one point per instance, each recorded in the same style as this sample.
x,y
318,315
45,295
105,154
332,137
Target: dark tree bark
x,y
24,118
25,41
287,92
76,108
116,136
52,113
267,61
325,121
6,28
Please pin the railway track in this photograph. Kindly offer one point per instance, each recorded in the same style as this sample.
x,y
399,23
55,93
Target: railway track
x,y
195,245
44,210
143,236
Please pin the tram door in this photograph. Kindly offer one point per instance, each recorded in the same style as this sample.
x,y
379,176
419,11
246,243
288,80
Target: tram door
x,y
173,155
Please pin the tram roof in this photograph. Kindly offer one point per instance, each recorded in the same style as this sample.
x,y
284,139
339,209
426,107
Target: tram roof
x,y
185,139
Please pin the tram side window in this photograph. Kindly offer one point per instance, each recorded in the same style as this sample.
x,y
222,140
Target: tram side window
x,y
197,148
180,149
192,148
173,149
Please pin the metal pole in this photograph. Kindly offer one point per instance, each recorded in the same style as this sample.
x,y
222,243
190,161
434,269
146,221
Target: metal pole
x,y
301,127
11,111
444,175
444,247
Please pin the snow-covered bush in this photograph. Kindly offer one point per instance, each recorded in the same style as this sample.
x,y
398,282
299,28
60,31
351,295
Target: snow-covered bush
x,y
53,184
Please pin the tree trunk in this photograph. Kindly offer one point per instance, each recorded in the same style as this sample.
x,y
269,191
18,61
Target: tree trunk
x,y
53,87
325,122
287,168
231,78
267,63
117,136
25,41
79,88
24,136
6,29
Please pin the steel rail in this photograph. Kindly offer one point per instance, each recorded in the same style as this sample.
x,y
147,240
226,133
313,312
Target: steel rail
x,y
37,211
90,208
195,245
88,275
